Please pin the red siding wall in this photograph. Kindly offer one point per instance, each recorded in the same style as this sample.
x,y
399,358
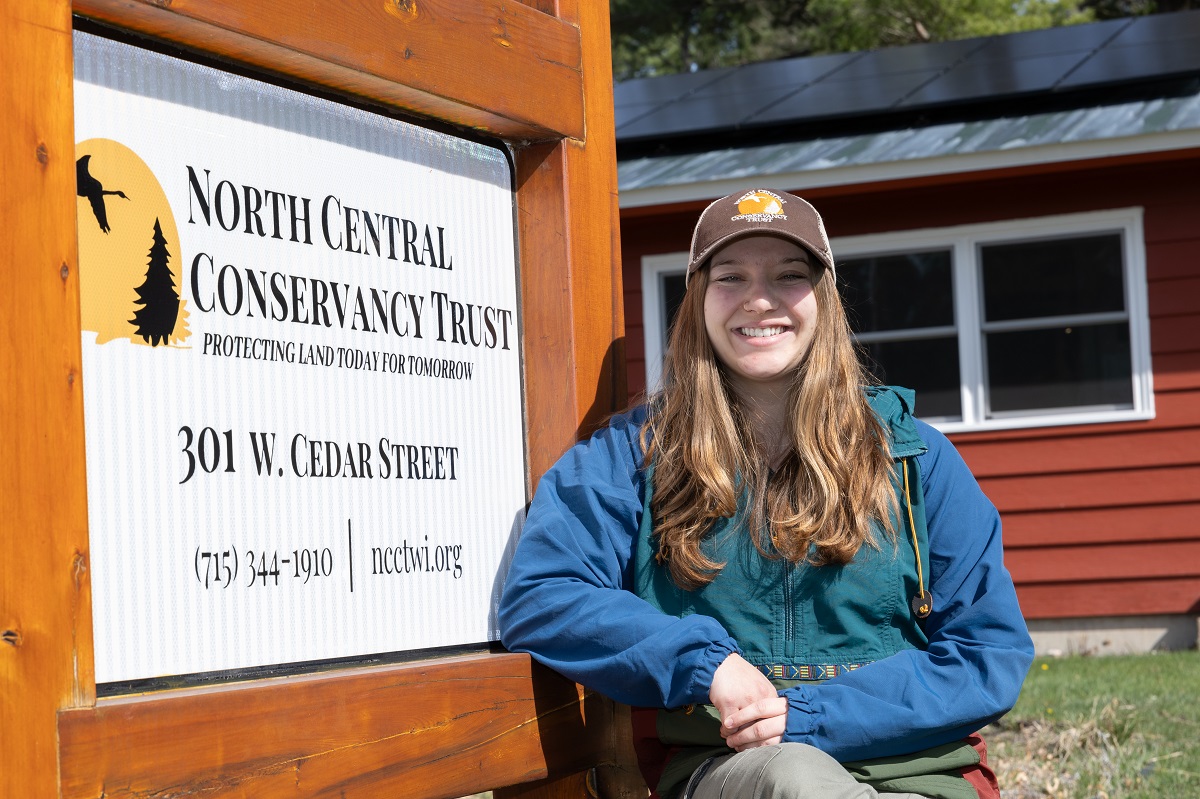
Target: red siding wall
x,y
1100,520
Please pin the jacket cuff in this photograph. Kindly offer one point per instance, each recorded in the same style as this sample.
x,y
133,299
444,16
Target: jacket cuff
x,y
702,675
801,718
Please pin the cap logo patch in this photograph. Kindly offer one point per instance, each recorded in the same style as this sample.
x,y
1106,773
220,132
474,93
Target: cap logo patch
x,y
760,206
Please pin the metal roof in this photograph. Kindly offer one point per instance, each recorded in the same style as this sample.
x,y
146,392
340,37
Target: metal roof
x,y
1146,126
784,139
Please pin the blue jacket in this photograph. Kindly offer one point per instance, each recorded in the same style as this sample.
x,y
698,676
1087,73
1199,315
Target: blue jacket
x,y
799,622
569,602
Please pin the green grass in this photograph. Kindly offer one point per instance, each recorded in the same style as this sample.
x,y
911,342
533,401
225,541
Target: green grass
x,y
1113,727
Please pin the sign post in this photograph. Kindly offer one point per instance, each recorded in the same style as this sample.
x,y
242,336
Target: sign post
x,y
282,369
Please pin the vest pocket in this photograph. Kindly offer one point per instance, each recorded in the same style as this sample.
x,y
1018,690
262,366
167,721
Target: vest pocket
x,y
853,606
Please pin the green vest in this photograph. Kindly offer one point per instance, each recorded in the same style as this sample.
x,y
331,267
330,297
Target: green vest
x,y
802,623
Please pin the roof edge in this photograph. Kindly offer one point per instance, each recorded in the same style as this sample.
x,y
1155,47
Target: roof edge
x,y
957,164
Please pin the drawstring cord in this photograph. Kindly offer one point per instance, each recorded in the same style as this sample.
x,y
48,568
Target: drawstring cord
x,y
922,603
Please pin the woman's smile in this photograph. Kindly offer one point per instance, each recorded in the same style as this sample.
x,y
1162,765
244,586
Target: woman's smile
x,y
762,332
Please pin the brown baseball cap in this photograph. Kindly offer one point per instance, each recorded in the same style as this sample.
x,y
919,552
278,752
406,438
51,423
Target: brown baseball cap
x,y
759,212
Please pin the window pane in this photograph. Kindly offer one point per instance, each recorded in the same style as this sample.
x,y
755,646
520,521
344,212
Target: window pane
x,y
1059,367
1053,278
673,287
897,292
928,366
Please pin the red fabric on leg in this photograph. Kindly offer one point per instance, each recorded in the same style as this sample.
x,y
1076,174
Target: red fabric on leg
x,y
652,754
981,777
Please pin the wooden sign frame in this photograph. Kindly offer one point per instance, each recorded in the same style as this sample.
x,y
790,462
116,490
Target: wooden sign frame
x,y
535,74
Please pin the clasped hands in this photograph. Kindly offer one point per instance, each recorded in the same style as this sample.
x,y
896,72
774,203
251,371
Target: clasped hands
x,y
752,712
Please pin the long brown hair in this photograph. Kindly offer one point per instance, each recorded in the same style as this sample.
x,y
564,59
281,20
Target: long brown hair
x,y
698,436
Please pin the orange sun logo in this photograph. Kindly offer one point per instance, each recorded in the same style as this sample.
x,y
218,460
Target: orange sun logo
x,y
128,249
760,202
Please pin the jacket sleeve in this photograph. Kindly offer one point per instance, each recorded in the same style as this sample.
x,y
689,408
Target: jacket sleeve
x,y
565,600
979,648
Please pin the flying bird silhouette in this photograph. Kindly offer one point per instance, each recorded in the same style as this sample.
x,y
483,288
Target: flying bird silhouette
x,y
88,186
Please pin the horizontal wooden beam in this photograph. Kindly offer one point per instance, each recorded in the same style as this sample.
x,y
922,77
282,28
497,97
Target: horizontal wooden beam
x,y
1102,562
1110,598
440,728
1154,445
501,68
1144,524
1114,488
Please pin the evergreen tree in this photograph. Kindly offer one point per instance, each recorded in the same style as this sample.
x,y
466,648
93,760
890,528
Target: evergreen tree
x,y
155,320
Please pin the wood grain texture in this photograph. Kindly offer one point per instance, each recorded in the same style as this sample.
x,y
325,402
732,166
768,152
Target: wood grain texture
x,y
570,265
1174,221
441,728
1103,451
1175,334
434,729
568,236
503,68
1177,297
595,237
1110,561
1110,598
572,786
1177,372
1164,522
1097,489
1172,411
543,235
1167,260
45,606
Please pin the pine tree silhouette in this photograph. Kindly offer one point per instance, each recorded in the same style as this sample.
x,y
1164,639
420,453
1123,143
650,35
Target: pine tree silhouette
x,y
155,320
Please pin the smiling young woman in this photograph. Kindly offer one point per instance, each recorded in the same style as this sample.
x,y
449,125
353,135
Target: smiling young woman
x,y
799,582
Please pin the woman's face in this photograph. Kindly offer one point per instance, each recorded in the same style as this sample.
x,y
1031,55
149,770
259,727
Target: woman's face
x,y
760,310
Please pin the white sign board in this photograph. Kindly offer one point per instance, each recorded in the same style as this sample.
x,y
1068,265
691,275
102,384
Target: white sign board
x,y
302,372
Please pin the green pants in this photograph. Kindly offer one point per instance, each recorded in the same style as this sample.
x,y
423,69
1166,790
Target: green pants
x,y
783,771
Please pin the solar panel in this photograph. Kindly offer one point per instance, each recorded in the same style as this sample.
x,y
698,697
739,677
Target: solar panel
x,y
1054,41
833,98
724,102
981,79
1046,64
790,73
667,88
629,112
1136,62
696,114
910,58
1161,28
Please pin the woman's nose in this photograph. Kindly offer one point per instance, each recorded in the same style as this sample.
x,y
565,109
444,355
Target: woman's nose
x,y
759,298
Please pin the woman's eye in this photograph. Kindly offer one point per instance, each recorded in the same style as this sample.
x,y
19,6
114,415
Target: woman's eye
x,y
793,276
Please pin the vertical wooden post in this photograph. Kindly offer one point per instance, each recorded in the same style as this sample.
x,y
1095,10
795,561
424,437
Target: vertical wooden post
x,y
50,721
592,206
587,297
45,604
584,291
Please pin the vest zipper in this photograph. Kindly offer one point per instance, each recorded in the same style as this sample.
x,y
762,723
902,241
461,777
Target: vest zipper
x,y
789,620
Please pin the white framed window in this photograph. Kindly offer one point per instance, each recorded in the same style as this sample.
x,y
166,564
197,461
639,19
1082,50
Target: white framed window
x,y
662,290
1021,323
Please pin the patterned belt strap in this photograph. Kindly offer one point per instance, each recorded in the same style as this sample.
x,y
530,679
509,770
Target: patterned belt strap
x,y
807,671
